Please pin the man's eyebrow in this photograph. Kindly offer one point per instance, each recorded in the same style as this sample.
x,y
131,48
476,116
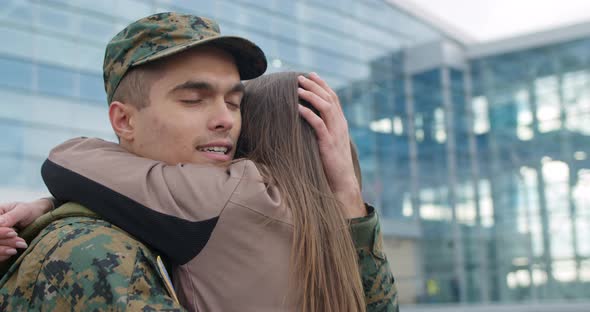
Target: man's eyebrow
x,y
205,86
191,84
238,87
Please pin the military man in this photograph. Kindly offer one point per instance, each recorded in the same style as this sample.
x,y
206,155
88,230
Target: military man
x,y
78,261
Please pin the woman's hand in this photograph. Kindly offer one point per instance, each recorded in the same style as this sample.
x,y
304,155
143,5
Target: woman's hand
x,y
9,242
331,129
18,214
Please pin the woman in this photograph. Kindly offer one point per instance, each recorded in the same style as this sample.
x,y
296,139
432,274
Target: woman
x,y
285,149
281,241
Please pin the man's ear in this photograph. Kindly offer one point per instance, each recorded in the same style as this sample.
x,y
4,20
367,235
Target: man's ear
x,y
122,120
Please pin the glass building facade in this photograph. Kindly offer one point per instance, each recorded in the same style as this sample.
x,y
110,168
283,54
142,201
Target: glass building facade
x,y
478,163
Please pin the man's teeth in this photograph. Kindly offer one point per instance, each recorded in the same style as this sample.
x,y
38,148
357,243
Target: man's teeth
x,y
215,149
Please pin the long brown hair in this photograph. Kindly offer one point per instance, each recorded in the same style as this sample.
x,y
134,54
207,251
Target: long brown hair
x,y
284,146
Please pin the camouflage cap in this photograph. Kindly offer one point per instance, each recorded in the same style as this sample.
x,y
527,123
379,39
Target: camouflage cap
x,y
165,34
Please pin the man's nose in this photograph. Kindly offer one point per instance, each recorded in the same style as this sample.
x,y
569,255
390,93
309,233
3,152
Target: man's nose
x,y
222,118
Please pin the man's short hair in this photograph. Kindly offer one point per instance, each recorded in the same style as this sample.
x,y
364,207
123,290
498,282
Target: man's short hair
x,y
134,88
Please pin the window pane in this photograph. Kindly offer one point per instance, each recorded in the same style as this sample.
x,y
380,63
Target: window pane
x,y
91,58
17,11
56,81
21,43
12,137
15,73
96,29
92,87
58,20
11,166
56,50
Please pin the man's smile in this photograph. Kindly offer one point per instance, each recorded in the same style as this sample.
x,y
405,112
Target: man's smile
x,y
214,149
217,151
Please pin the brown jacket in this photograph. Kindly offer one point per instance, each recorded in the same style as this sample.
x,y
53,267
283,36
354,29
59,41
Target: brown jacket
x,y
235,223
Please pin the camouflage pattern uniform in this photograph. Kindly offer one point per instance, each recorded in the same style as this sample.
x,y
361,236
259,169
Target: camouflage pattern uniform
x,y
87,264
84,264
378,282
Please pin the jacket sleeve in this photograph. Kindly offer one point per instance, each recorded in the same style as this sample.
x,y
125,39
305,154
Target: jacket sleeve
x,y
378,281
163,205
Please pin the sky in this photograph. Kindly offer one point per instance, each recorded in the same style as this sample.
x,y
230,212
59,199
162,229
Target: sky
x,y
486,20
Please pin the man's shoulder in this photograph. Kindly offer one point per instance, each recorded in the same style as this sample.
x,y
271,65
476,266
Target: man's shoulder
x,y
82,240
86,237
82,262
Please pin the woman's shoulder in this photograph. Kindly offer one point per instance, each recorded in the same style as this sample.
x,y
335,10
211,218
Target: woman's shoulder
x,y
257,191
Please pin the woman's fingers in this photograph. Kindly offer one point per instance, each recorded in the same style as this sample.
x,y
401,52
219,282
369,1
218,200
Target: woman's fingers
x,y
7,232
332,96
15,242
313,86
327,110
316,123
324,85
8,246
320,104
